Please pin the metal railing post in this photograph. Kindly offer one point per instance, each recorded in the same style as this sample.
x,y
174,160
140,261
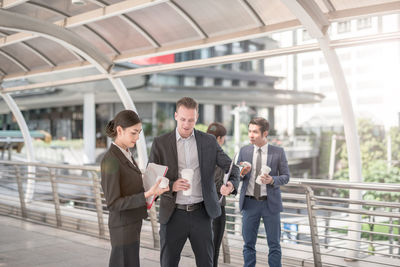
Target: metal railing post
x,y
56,199
20,192
99,206
154,226
313,227
225,248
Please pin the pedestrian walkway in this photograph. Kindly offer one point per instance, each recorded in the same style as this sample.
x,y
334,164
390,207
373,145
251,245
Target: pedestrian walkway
x,y
24,244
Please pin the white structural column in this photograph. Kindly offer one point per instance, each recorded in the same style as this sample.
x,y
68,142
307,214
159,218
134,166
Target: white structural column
x,y
316,24
28,142
128,104
89,128
68,39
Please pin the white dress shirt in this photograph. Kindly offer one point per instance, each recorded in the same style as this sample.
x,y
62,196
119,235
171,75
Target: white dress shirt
x,y
126,152
264,155
188,159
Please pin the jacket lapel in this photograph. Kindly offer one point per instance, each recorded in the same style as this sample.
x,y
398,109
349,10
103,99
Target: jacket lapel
x,y
249,158
249,155
123,158
199,145
172,145
269,156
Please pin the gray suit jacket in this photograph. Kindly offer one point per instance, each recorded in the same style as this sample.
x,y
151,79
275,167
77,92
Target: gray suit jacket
x,y
210,154
277,161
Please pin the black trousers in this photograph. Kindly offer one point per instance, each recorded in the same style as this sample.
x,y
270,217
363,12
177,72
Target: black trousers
x,y
193,225
218,229
125,243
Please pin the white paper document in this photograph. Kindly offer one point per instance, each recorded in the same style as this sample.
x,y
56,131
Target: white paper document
x,y
150,177
226,176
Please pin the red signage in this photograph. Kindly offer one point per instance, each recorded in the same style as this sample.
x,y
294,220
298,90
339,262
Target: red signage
x,y
165,59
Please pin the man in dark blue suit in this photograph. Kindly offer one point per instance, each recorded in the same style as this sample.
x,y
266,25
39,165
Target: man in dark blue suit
x,y
185,216
262,199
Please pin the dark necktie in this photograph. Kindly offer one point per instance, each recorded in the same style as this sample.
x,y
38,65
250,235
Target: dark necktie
x,y
257,187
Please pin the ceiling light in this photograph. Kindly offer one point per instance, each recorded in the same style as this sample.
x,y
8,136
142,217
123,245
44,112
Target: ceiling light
x,y
78,2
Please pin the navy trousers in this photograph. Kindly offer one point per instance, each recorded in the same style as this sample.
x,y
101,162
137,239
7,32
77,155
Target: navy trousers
x,y
252,213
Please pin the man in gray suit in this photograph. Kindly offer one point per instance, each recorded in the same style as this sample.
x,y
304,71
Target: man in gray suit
x,y
181,216
262,199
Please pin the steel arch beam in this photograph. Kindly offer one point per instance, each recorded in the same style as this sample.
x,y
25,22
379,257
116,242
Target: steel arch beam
x,y
38,5
35,51
250,9
14,60
39,54
21,23
128,104
188,19
28,141
11,3
313,19
72,41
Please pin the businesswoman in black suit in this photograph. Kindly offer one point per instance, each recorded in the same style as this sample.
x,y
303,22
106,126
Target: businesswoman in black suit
x,y
122,184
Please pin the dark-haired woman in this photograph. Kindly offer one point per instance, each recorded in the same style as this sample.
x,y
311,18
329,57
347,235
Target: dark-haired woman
x,y
219,131
122,184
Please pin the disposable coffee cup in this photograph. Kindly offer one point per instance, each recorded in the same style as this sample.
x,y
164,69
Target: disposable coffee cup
x,y
265,169
243,165
164,181
188,175
258,180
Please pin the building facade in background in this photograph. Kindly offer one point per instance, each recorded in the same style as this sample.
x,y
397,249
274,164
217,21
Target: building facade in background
x,y
371,71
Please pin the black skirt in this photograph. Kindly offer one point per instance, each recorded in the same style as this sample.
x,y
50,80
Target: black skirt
x,y
125,243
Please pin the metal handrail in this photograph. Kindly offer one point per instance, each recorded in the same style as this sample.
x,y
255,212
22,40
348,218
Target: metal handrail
x,y
75,202
317,183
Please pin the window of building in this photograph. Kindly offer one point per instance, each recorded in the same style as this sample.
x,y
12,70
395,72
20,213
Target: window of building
x,y
237,48
325,89
221,50
235,82
245,66
218,113
305,36
307,62
364,23
199,81
218,81
181,80
323,74
252,83
201,114
308,76
205,53
344,26
227,66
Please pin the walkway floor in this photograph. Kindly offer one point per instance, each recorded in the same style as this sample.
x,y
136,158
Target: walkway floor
x,y
28,244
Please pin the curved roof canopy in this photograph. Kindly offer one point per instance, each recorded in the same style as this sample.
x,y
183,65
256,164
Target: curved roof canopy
x,y
123,30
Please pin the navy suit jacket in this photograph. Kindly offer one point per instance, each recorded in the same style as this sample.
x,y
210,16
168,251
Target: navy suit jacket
x,y
277,161
210,154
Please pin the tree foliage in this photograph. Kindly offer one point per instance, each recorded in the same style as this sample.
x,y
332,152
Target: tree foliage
x,y
375,167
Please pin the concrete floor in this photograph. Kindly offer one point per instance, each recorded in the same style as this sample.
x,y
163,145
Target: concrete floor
x,y
28,244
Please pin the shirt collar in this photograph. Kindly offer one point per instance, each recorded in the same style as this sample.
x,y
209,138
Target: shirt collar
x,y
126,152
263,148
179,137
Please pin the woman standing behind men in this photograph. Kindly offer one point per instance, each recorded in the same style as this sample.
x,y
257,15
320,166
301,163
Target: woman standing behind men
x,y
219,131
122,184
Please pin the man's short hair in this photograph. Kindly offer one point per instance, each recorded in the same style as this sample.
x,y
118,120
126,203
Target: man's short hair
x,y
188,103
261,122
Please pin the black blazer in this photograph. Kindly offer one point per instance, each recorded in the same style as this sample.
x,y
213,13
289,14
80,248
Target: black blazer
x,y
123,189
210,154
